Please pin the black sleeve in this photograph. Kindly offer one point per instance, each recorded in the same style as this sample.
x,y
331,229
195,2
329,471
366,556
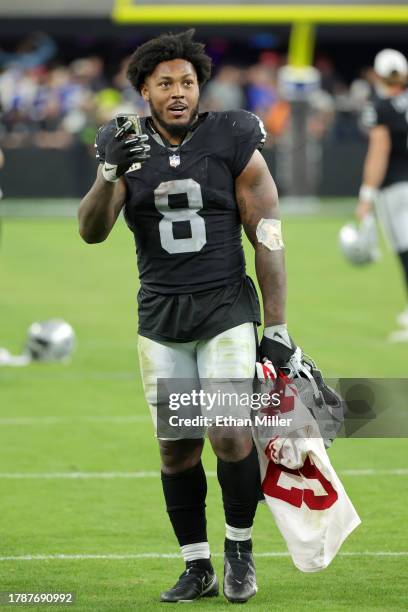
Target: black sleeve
x,y
248,135
374,113
103,134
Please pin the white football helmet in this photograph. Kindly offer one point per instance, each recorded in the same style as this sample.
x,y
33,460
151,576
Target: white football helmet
x,y
325,404
51,340
359,244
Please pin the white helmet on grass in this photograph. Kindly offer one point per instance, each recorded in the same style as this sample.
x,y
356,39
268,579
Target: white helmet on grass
x,y
51,340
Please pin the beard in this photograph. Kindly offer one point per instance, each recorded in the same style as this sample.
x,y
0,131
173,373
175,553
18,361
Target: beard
x,y
176,130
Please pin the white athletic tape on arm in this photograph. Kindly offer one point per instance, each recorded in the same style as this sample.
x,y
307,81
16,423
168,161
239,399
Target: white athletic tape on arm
x,y
367,193
269,233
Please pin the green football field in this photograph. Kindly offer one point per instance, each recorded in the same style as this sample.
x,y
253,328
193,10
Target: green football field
x,y
80,496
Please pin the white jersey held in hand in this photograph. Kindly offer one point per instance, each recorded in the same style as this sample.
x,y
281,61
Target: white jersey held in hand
x,y
310,506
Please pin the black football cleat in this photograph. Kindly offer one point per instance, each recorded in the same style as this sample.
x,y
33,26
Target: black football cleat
x,y
239,571
195,582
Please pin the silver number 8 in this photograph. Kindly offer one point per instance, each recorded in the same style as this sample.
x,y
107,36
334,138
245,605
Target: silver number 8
x,y
192,190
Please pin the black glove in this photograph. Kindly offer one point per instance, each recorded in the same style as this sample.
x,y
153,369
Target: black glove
x,y
277,346
121,152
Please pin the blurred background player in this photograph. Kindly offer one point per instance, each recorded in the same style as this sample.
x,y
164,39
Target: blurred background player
x,y
385,176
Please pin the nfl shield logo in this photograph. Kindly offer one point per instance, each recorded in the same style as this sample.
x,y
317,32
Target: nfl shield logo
x,y
174,160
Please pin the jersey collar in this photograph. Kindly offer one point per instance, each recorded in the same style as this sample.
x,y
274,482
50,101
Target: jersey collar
x,y
162,141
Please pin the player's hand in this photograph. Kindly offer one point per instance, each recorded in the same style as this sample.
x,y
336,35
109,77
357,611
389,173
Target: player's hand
x,y
121,152
363,209
277,346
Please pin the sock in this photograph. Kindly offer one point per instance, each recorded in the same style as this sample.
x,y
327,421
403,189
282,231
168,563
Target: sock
x,y
238,534
403,256
185,494
192,552
240,484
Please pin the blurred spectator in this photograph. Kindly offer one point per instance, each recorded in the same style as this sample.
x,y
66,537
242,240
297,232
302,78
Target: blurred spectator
x,y
128,94
261,88
35,50
321,114
328,77
277,118
56,105
368,75
225,91
360,92
89,72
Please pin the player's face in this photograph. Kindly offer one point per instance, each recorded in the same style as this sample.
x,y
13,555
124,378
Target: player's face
x,y
172,92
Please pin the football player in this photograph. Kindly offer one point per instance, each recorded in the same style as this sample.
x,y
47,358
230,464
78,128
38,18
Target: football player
x,y
385,177
186,185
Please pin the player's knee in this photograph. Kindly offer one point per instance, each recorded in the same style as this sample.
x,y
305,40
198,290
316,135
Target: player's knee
x,y
180,455
230,444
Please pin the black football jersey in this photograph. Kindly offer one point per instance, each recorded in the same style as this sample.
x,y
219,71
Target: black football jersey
x,y
393,113
181,204
182,210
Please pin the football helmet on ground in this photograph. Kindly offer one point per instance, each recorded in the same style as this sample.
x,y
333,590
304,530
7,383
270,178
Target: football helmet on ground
x,y
51,340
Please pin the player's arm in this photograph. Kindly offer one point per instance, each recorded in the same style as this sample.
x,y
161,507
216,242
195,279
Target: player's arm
x,y
375,167
117,150
257,200
100,208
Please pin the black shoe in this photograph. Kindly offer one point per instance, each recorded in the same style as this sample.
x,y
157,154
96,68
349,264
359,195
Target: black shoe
x,y
195,582
239,571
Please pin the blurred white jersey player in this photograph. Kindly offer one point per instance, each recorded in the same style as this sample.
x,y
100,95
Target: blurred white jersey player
x,y
385,176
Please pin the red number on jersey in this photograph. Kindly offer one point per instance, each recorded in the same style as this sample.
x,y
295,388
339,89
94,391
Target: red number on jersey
x,y
277,474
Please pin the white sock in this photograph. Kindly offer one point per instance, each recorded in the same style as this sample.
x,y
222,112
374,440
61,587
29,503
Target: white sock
x,y
238,534
200,550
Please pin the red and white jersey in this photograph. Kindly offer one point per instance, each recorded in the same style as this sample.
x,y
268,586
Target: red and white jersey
x,y
309,503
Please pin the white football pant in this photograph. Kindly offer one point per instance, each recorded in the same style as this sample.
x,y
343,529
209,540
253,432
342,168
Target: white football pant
x,y
229,355
392,210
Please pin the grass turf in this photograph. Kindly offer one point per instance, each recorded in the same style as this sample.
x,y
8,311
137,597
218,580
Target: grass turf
x,y
340,314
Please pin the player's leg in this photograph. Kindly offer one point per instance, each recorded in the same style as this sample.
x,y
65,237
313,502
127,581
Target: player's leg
x,y
403,258
231,356
182,474
393,212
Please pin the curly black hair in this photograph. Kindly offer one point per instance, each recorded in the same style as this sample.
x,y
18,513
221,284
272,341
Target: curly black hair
x,y
165,48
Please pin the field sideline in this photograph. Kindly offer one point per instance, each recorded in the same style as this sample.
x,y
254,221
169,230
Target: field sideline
x,y
78,461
